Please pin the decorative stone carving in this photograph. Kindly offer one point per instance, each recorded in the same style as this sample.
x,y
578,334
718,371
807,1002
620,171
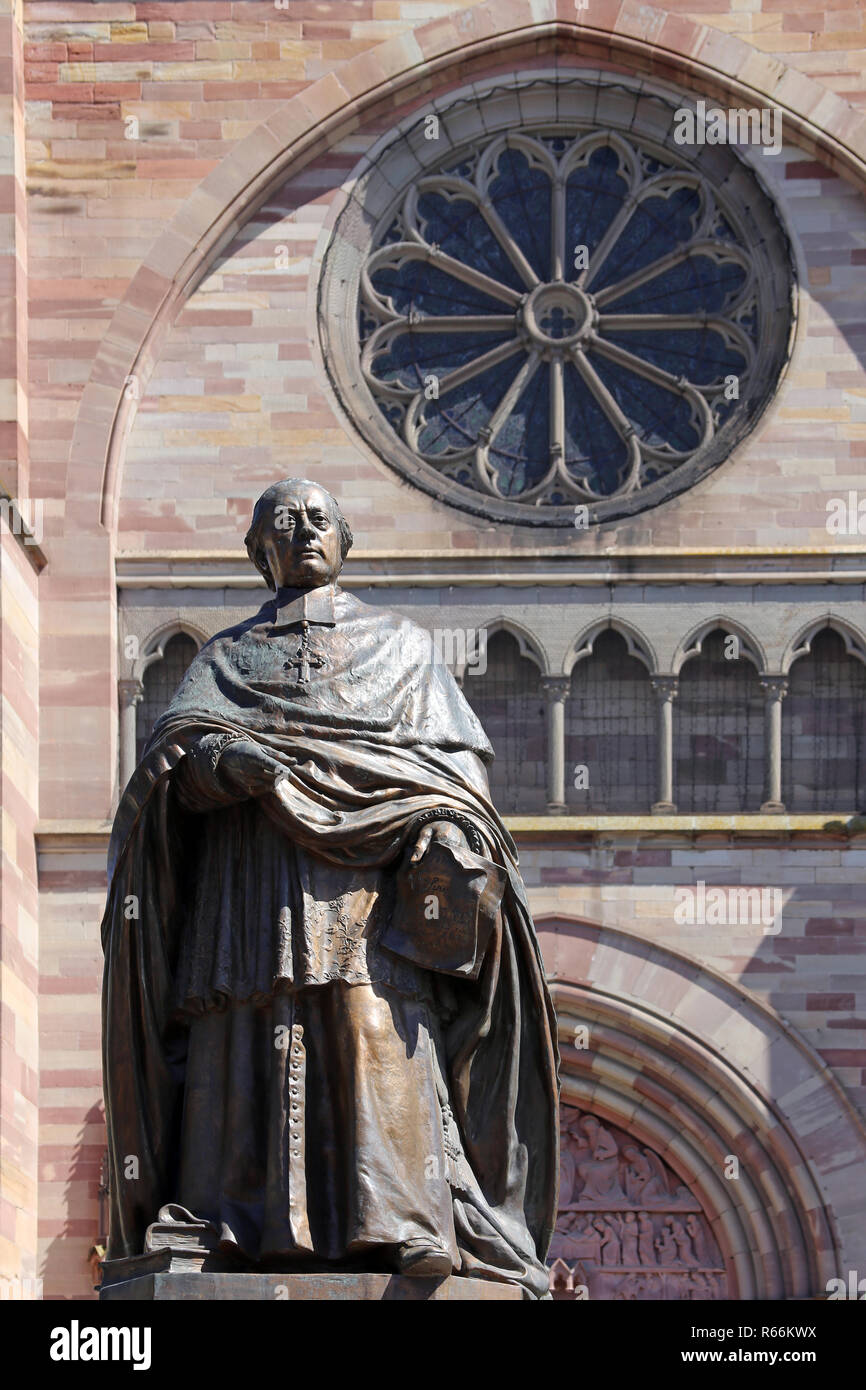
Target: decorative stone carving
x,y
627,1227
550,302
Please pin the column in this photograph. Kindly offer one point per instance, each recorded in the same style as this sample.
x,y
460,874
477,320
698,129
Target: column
x,y
666,688
130,693
556,692
775,689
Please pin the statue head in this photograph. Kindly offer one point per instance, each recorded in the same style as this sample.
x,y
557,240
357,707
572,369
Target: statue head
x,y
298,537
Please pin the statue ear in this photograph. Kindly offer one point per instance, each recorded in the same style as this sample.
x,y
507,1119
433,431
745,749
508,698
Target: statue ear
x,y
261,564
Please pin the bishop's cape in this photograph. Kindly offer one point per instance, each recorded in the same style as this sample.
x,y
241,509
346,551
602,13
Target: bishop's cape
x,y
276,1072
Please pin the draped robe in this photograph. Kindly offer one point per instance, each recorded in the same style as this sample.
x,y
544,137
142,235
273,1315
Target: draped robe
x,y
274,1070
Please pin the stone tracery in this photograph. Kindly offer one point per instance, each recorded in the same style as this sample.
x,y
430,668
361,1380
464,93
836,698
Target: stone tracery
x,y
549,302
558,379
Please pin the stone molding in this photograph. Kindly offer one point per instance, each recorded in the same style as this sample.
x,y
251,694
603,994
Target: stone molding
x,y
69,836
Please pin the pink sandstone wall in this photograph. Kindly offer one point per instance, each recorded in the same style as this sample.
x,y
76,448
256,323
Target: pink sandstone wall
x,y
198,85
240,391
198,79
71,1124
14,463
19,702
812,970
19,936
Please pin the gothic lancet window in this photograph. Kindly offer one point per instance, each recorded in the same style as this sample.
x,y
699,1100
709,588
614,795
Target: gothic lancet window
x,y
507,699
719,730
161,680
610,732
824,729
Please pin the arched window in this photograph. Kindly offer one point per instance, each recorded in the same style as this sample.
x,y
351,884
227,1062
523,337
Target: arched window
x,y
719,730
610,731
161,680
507,699
824,729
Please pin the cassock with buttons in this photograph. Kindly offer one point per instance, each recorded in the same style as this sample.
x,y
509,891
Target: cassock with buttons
x,y
286,1081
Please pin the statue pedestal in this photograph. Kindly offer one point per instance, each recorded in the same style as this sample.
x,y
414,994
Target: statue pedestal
x,y
186,1270
199,1287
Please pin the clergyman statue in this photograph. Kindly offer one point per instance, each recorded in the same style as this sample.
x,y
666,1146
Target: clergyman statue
x,y
328,1041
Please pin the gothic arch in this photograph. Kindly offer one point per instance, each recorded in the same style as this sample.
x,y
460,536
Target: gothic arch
x,y
509,705
379,80
691,645
153,648
637,644
699,1069
801,645
528,644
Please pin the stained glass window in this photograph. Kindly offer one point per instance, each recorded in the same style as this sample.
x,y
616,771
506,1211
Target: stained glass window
x,y
531,308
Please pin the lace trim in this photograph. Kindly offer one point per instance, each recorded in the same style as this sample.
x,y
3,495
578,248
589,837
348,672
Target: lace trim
x,y
470,830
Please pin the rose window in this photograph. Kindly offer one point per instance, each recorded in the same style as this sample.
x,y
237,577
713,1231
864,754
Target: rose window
x,y
549,317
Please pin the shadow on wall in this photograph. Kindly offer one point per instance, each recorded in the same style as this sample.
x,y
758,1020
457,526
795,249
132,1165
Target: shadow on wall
x,y
69,1260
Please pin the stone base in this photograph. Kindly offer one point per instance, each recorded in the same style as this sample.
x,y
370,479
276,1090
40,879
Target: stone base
x,y
199,1286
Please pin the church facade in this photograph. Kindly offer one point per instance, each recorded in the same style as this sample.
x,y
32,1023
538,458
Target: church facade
x,y
564,302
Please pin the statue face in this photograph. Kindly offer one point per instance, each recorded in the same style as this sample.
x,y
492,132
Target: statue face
x,y
302,543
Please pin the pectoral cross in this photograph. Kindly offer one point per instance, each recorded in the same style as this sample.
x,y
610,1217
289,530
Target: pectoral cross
x,y
304,659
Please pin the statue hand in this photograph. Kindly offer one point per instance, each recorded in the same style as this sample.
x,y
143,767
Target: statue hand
x,y
443,830
245,768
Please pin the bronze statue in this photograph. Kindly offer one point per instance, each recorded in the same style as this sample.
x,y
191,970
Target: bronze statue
x,y
328,1042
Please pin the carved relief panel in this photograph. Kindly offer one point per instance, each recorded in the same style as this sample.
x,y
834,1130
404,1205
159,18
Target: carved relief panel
x,y
627,1227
